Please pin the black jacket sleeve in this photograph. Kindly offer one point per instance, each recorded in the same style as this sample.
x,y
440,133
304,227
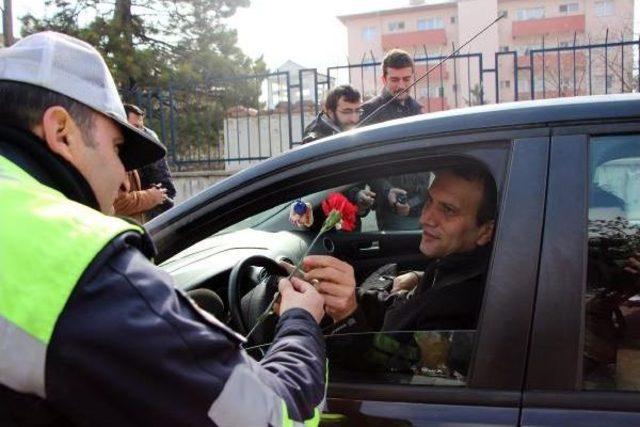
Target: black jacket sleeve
x,y
128,349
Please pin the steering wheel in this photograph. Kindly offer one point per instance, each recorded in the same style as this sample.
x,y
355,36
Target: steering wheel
x,y
245,309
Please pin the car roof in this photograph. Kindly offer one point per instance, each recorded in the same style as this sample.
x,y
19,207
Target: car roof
x,y
547,112
519,114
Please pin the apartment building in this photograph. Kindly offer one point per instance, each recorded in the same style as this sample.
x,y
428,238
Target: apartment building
x,y
431,29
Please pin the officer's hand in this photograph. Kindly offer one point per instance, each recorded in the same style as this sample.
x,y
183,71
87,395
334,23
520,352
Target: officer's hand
x,y
300,294
336,283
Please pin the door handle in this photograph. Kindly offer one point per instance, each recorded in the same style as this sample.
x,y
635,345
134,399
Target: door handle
x,y
373,247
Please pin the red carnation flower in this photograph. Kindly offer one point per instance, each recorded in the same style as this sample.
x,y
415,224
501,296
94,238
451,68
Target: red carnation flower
x,y
348,210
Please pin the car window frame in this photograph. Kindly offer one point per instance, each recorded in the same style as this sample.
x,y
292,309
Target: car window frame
x,y
561,388
482,146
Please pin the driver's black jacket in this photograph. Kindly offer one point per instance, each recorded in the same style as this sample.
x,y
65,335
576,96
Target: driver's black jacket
x,y
128,349
448,298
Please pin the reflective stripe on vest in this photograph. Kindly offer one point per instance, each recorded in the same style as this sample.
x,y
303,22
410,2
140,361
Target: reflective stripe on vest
x,y
246,401
46,243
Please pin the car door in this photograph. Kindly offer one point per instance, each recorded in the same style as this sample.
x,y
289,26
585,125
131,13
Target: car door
x,y
491,393
490,390
584,363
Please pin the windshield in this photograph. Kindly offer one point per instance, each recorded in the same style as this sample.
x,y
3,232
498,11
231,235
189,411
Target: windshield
x,y
256,220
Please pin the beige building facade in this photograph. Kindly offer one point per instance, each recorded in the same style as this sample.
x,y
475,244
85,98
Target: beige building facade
x,y
432,29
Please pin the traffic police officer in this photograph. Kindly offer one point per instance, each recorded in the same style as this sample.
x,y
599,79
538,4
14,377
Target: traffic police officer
x,y
91,332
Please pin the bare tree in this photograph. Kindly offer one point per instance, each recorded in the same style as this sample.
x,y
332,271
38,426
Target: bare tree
x,y
7,23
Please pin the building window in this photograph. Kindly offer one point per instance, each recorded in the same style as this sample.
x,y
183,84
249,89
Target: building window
x,y
568,8
369,34
604,8
530,13
453,20
430,24
505,84
396,26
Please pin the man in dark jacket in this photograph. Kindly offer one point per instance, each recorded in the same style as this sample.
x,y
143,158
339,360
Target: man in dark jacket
x,y
92,332
341,111
156,174
457,226
397,75
401,197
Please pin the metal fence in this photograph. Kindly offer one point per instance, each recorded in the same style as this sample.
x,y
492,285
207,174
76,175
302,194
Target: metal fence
x,y
229,123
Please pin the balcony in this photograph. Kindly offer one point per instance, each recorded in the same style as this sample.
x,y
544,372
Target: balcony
x,y
538,27
414,38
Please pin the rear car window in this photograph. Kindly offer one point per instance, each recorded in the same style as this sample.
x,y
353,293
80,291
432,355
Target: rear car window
x,y
612,298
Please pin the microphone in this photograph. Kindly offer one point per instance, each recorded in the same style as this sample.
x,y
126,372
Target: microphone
x,y
209,301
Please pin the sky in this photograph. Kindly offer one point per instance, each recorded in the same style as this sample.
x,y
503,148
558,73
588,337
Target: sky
x,y
304,31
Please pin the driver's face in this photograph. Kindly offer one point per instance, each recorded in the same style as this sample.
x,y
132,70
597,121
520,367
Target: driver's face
x,y
448,217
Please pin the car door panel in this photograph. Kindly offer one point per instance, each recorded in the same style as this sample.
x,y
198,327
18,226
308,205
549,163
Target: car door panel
x,y
391,414
583,418
493,392
368,251
554,394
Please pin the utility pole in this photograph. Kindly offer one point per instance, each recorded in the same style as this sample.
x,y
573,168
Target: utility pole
x,y
7,23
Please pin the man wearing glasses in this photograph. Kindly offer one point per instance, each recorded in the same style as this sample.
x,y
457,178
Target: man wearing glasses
x,y
341,112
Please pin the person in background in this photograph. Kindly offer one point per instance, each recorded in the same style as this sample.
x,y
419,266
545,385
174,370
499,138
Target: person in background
x,y
400,197
341,111
156,174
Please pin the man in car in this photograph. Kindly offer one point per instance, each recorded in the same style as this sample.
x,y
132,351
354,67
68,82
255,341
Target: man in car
x,y
457,227
91,332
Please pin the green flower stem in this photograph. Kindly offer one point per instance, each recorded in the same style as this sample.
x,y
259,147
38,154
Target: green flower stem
x,y
333,218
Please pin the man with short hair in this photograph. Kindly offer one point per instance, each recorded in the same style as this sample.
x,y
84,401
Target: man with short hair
x,y
154,175
397,75
92,333
457,228
341,111
400,197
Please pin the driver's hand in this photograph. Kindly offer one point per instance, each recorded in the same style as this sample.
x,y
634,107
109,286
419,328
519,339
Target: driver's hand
x,y
300,294
336,282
